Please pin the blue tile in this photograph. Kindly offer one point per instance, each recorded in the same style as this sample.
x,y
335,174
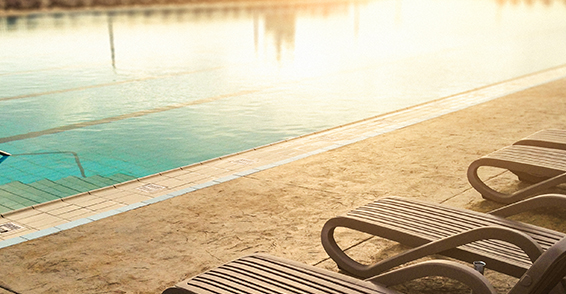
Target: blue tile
x,y
267,166
226,179
73,224
12,241
182,191
247,172
157,199
104,215
131,206
41,233
285,161
204,185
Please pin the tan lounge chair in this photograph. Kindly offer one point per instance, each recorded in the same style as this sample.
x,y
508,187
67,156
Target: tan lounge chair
x,y
550,138
458,233
531,164
262,273
542,167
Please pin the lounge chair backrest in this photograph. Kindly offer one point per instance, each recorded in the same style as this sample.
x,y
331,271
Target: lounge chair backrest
x,y
546,273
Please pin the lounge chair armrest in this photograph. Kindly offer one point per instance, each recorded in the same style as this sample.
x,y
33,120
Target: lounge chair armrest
x,y
346,263
174,290
520,239
547,200
436,268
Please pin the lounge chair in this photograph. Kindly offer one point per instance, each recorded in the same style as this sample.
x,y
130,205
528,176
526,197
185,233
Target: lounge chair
x,y
542,167
260,273
452,231
550,138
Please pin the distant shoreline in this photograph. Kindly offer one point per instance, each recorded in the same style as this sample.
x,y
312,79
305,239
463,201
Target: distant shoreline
x,y
32,7
81,7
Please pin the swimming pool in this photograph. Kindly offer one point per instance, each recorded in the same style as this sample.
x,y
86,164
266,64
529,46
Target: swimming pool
x,y
113,95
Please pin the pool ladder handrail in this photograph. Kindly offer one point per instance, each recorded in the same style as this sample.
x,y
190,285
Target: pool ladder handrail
x,y
4,155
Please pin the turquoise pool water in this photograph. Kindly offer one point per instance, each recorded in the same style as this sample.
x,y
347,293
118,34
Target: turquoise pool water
x,y
136,92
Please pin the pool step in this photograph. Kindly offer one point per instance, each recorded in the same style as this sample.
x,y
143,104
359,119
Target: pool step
x,y
16,195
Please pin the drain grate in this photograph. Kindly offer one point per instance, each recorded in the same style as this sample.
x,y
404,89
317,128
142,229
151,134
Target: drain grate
x,y
8,227
150,188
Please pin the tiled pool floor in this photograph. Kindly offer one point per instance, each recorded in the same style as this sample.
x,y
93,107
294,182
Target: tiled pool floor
x,y
47,218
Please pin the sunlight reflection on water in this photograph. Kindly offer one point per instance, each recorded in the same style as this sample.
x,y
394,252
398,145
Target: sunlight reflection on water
x,y
216,79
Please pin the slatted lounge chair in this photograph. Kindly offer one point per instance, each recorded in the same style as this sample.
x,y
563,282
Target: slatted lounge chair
x,y
542,167
262,273
416,223
551,138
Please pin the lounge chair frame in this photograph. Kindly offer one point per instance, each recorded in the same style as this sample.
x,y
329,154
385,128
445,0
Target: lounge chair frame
x,y
446,231
544,168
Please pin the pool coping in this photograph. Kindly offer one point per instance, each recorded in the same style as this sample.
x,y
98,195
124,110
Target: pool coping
x,y
73,211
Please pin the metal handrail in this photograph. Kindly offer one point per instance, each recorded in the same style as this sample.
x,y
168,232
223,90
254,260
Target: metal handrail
x,y
4,155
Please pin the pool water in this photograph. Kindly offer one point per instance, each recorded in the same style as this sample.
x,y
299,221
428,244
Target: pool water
x,y
138,91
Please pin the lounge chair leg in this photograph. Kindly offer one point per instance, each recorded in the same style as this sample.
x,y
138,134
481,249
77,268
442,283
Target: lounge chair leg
x,y
486,191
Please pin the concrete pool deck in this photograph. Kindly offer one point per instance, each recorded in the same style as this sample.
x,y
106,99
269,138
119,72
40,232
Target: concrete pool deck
x,y
147,234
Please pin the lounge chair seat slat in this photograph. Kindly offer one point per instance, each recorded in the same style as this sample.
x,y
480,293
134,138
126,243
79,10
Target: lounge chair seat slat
x,y
449,221
262,274
535,157
471,218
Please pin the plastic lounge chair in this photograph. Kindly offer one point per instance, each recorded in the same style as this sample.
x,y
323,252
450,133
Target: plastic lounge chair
x,y
262,273
543,167
551,138
458,233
